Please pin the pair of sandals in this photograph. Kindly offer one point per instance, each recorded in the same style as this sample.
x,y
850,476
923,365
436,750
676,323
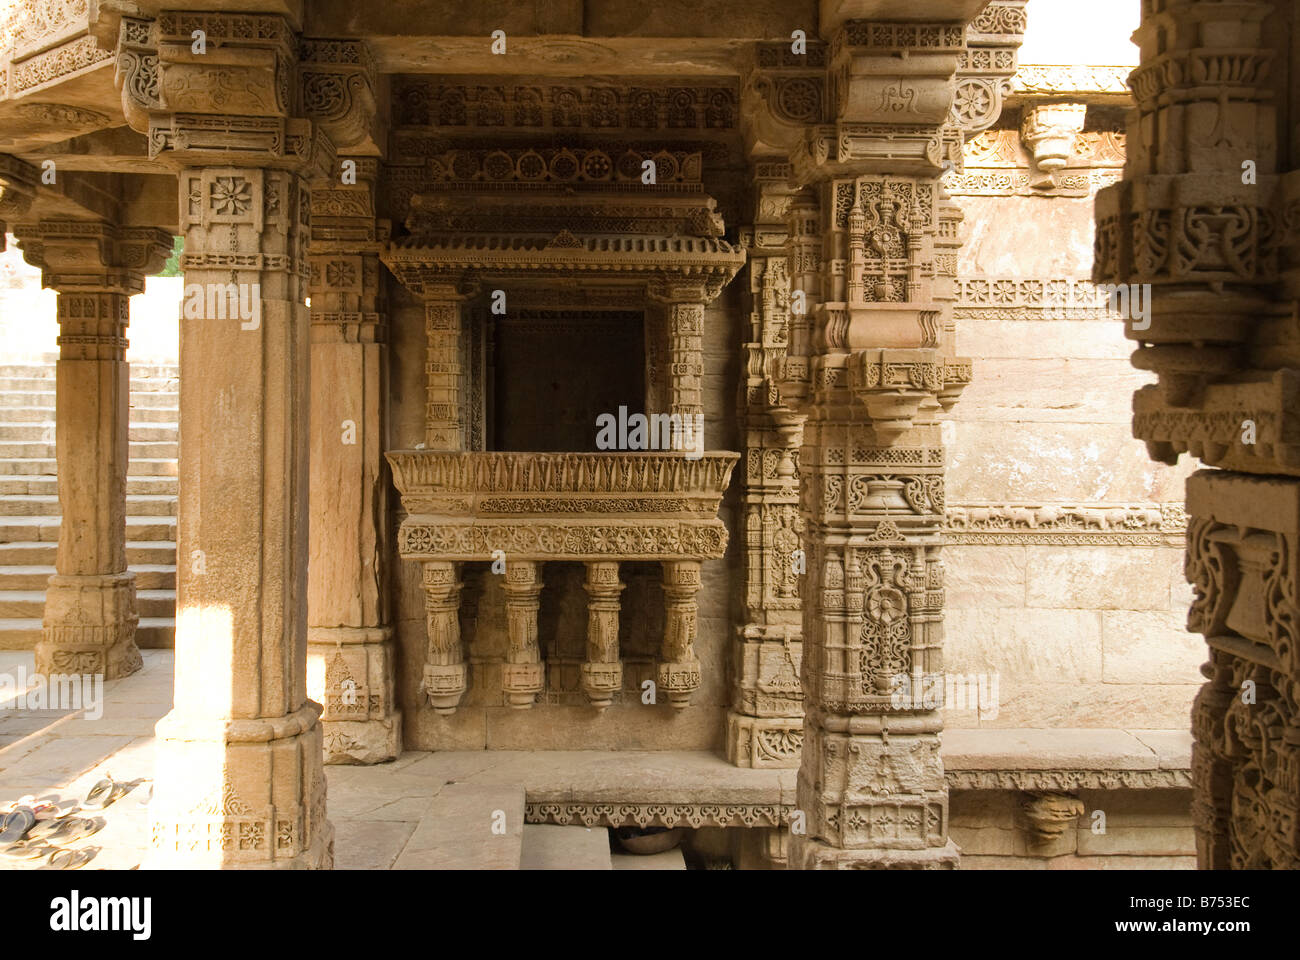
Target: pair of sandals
x,y
109,791
24,837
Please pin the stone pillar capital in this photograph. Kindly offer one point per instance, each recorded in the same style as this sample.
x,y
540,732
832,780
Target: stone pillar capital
x,y
93,256
881,96
214,89
18,181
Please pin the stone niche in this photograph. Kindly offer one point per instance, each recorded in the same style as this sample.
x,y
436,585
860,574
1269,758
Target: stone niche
x,y
542,572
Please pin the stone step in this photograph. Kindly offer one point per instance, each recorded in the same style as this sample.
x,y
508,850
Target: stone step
x,y
45,466
149,505
150,415
456,832
151,633
150,432
46,384
22,604
151,467
549,846
15,529
38,485
44,432
27,398
149,576
24,414
30,553
47,368
668,860
153,400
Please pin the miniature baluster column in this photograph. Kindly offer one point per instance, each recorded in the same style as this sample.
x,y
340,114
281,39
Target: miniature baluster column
x,y
350,647
679,668
523,673
239,767
90,604
444,662
602,674
446,673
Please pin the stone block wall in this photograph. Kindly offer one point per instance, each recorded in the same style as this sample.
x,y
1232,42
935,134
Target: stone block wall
x,y
1064,570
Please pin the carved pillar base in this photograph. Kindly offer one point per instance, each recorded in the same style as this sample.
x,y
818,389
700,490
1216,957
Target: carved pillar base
x,y
446,677
1243,540
807,854
523,674
350,672
89,626
679,668
877,797
241,793
602,674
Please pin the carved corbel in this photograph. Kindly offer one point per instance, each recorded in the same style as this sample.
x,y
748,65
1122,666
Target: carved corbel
x,y
985,71
1048,816
18,181
135,73
1049,131
215,89
336,89
784,92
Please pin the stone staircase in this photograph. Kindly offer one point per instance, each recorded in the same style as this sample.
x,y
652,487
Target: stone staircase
x,y
29,500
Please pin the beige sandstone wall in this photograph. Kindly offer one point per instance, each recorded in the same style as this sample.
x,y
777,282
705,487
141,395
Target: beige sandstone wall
x,y
1084,634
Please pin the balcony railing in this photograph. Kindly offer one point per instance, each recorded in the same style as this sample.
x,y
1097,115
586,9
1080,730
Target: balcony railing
x,y
600,509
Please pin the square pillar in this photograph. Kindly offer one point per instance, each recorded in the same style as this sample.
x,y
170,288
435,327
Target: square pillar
x,y
90,611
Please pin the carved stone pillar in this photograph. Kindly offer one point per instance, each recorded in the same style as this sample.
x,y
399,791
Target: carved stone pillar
x,y
1204,234
90,611
868,364
446,676
350,648
240,781
765,724
602,674
523,673
679,667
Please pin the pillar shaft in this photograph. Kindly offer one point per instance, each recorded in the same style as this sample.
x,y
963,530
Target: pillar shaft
x,y
602,674
350,649
679,667
446,676
523,672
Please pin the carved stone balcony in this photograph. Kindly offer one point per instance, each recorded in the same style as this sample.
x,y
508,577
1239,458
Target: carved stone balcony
x,y
527,508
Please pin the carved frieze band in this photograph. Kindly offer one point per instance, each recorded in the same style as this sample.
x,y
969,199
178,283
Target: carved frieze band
x,y
596,813
1031,298
1149,524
